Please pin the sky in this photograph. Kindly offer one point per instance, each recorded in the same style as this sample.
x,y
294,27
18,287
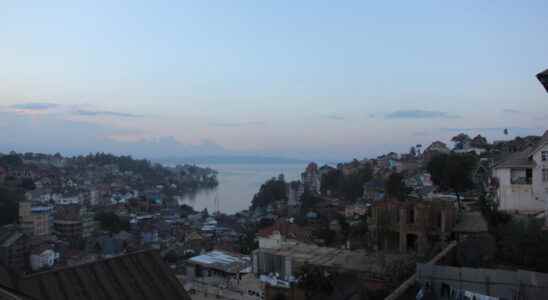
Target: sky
x,y
317,79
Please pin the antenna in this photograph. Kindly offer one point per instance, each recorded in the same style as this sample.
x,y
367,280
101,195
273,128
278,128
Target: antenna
x,y
216,203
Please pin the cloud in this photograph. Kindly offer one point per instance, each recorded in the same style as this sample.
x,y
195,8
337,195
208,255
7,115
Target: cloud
x,y
491,129
96,113
334,117
420,114
511,111
51,134
35,106
237,124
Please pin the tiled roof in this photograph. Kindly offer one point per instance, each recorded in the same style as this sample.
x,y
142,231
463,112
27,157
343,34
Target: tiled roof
x,y
140,275
521,159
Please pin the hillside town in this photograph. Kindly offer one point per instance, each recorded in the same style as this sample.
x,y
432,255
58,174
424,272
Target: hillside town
x,y
386,227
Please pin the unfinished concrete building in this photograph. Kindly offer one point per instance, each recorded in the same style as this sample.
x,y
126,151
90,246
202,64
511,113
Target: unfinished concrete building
x,y
413,226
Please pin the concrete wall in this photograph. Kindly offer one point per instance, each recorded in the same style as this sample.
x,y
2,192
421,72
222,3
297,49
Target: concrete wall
x,y
540,188
492,282
272,242
520,197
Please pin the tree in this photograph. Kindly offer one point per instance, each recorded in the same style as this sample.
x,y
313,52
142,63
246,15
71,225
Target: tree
x,y
453,172
345,227
11,160
9,199
460,140
28,184
110,221
395,187
314,281
273,190
479,142
412,151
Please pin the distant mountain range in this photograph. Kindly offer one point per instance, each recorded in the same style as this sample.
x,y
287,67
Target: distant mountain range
x,y
229,159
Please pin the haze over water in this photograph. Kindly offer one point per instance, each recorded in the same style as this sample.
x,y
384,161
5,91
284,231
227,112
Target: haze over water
x,y
238,183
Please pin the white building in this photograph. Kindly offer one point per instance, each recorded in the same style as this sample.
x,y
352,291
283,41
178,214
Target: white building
x,y
523,179
311,178
43,258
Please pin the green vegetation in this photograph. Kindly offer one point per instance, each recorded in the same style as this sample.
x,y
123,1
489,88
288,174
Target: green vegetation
x,y
275,189
9,199
11,160
314,281
111,222
348,186
395,188
453,172
523,243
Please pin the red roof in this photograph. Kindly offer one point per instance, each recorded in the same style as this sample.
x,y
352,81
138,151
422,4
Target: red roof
x,y
286,229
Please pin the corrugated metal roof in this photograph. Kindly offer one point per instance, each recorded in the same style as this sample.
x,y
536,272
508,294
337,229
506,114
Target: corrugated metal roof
x,y
140,275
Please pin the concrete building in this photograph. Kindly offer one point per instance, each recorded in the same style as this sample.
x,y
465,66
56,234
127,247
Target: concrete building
x,y
295,191
13,248
220,269
43,257
522,179
89,224
68,225
311,178
278,266
25,217
440,282
42,219
412,225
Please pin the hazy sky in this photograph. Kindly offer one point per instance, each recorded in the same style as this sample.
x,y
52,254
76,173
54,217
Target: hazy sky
x,y
305,79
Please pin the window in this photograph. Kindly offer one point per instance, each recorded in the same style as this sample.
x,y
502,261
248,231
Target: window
x,y
410,216
544,155
545,175
521,176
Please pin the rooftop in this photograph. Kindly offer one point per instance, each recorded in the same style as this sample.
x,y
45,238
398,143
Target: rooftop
x,y
222,261
471,222
338,258
521,159
139,275
9,234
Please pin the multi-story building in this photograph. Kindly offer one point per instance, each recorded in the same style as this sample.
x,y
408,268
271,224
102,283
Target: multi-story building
x,y
89,224
522,179
68,225
411,225
42,220
311,178
13,248
295,191
25,217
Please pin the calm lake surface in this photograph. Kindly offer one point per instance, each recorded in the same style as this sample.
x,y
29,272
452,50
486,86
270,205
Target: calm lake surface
x,y
238,183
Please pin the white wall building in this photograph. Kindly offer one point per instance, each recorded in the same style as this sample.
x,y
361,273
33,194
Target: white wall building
x,y
523,179
311,178
43,259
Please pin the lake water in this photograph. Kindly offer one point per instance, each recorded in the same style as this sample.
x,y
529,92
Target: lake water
x,y
238,183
